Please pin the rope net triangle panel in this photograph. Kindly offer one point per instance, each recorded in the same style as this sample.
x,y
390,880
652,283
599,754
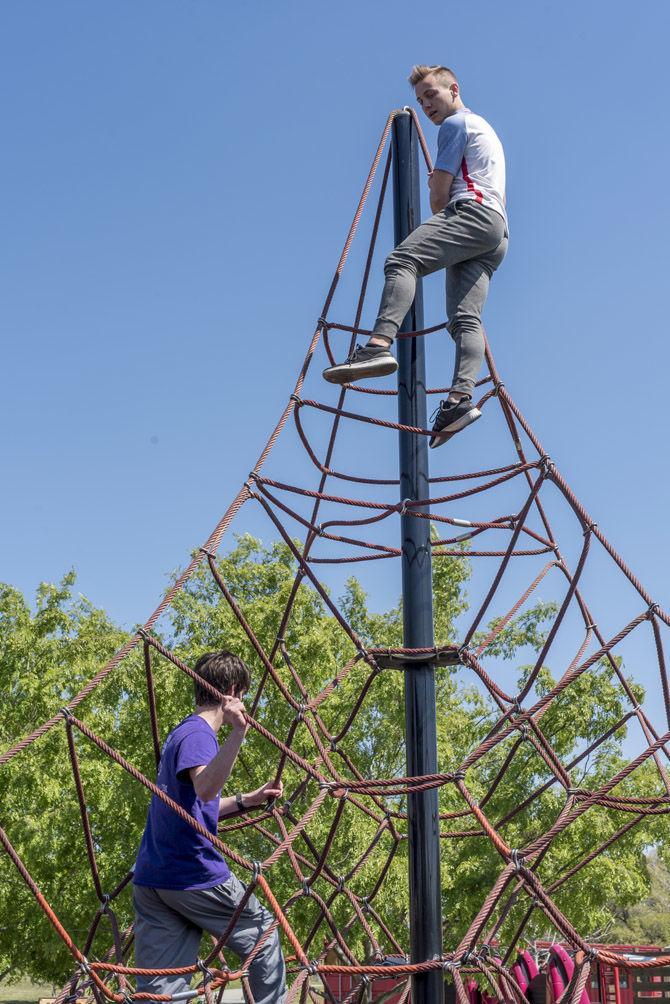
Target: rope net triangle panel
x,y
341,919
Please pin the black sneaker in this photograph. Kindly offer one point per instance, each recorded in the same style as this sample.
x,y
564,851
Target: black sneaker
x,y
364,361
451,418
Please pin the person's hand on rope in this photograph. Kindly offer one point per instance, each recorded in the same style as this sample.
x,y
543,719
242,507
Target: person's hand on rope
x,y
268,791
234,714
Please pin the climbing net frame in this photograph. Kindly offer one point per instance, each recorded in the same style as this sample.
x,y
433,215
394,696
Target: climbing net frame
x,y
331,771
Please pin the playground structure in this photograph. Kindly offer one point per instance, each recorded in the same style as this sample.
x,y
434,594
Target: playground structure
x,y
513,535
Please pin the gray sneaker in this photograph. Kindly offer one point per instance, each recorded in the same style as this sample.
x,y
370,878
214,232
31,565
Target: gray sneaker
x,y
451,418
364,361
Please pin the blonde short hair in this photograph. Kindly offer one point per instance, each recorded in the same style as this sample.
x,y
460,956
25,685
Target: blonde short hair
x,y
443,74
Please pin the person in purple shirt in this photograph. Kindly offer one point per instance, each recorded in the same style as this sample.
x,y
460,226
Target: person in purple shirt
x,y
182,885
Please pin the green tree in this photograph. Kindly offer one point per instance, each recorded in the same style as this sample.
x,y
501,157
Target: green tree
x,y
47,655
647,922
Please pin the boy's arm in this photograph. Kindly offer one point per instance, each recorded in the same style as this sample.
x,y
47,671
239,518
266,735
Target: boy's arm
x,y
439,183
250,799
210,779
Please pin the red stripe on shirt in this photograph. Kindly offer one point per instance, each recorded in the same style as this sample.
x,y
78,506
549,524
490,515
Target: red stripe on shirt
x,y
469,182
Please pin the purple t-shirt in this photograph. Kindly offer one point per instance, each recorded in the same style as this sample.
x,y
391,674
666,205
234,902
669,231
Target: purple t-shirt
x,y
172,854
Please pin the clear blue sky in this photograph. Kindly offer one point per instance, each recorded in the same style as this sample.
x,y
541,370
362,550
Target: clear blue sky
x,y
177,179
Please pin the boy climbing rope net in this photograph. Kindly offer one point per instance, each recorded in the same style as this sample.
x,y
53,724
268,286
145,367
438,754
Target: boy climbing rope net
x,y
467,236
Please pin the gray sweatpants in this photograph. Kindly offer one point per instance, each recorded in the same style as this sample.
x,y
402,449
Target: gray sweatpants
x,y
470,241
168,929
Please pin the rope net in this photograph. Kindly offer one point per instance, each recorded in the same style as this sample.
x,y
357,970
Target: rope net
x,y
347,911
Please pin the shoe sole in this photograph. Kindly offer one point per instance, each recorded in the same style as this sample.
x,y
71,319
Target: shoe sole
x,y
349,374
445,434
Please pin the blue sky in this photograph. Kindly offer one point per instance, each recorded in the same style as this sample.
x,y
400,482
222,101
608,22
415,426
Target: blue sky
x,y
177,180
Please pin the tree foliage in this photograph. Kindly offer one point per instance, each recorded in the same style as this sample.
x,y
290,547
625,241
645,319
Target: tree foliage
x,y
49,653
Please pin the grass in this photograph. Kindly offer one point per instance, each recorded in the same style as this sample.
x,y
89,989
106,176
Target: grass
x,y
24,992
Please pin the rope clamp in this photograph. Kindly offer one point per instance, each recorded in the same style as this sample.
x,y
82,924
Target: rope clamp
x,y
654,610
463,654
498,387
546,465
257,870
296,398
205,970
323,323
84,966
306,889
66,713
459,775
365,905
402,508
518,862
206,551
312,968
590,527
341,883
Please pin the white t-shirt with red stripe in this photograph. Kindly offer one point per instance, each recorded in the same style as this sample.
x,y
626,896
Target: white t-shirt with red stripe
x,y
469,148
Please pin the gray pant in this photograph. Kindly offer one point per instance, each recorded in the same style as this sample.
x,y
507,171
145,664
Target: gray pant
x,y
168,929
470,241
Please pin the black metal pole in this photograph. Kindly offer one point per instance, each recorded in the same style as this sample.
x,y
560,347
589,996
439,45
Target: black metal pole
x,y
417,590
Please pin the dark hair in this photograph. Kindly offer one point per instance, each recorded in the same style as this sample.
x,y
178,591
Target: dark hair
x,y
222,670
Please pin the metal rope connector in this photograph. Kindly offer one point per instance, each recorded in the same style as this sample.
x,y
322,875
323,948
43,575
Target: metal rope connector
x,y
296,398
306,888
463,654
402,506
257,870
66,713
546,465
205,970
654,610
341,883
323,323
517,859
